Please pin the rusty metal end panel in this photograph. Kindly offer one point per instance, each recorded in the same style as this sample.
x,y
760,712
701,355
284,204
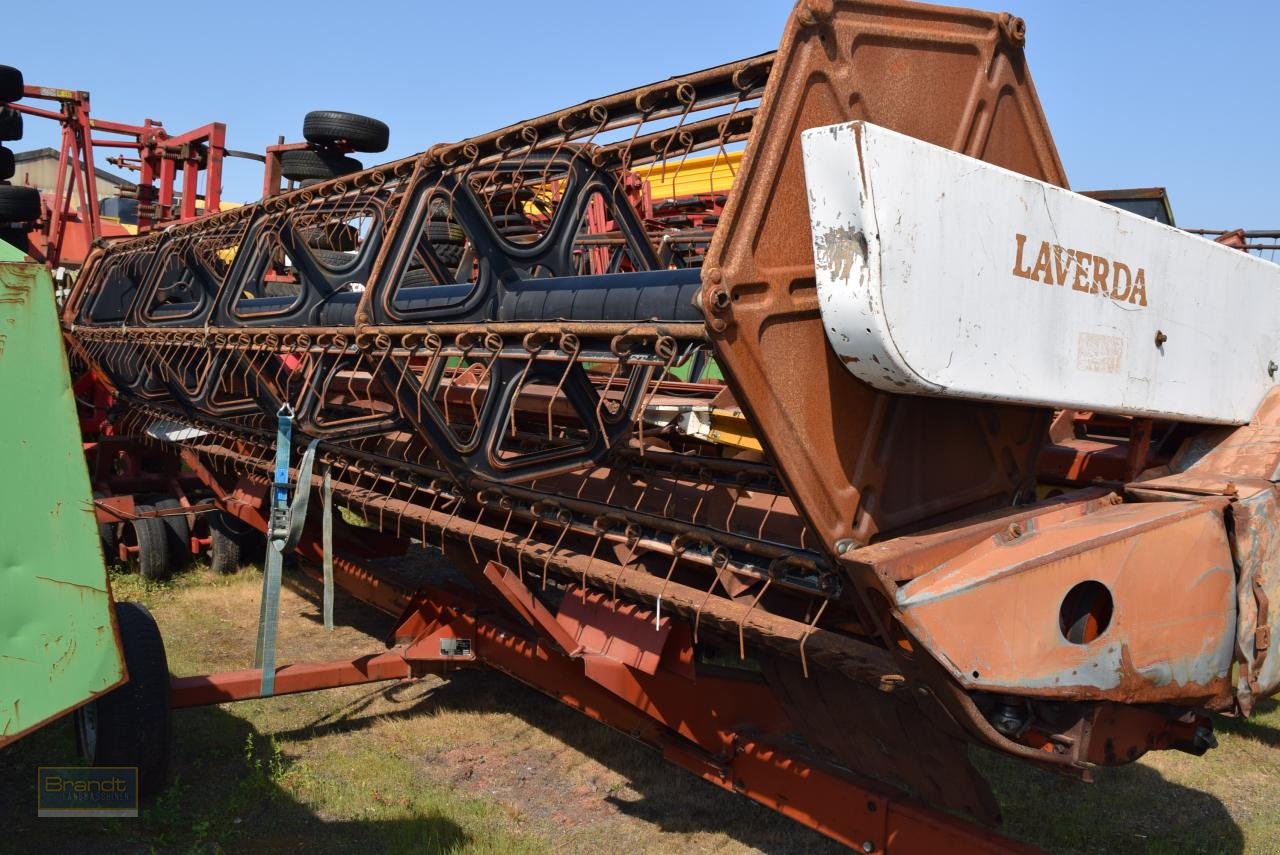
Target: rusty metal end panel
x,y
1255,540
861,462
1133,603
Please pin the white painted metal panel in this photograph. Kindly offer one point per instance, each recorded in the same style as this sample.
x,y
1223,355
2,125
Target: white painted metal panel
x,y
939,274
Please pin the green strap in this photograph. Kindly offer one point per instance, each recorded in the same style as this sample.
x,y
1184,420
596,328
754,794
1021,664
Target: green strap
x,y
283,531
326,543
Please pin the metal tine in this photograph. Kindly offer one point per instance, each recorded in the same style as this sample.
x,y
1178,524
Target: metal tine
x,y
804,663
506,525
565,518
604,393
591,559
653,385
677,552
720,145
570,346
767,513
633,542
446,383
697,614
520,383
195,354
457,505
524,544
742,646
377,370
495,355
471,535
530,135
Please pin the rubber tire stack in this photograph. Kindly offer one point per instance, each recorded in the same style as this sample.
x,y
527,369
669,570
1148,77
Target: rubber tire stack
x,y
19,206
332,133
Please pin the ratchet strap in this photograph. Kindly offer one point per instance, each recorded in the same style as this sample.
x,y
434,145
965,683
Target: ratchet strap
x,y
326,544
283,531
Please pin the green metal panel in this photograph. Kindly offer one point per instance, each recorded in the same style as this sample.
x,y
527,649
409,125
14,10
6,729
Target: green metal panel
x,y
58,642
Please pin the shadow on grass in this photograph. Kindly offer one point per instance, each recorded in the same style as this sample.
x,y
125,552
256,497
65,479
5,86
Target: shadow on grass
x,y
1127,809
1252,728
1130,809
223,795
670,798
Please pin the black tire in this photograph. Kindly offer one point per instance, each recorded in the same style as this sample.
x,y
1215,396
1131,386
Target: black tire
x,y
10,84
230,542
506,221
10,124
281,289
152,538
334,260
301,164
450,254
444,232
107,534
16,238
131,725
418,277
338,237
179,533
19,204
362,133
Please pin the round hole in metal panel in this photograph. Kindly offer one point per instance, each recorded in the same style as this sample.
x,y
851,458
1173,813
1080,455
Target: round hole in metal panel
x,y
1086,612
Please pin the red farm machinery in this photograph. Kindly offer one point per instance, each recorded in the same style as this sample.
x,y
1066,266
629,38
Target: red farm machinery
x,y
791,416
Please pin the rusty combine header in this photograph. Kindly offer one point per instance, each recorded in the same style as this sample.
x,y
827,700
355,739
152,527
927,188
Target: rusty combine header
x,y
636,437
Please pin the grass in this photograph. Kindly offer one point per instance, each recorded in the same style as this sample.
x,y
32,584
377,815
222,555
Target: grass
x,y
478,763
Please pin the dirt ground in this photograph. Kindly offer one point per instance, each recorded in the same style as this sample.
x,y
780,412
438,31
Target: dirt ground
x,y
480,763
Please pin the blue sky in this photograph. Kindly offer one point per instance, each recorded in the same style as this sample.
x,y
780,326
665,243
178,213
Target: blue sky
x,y
1137,93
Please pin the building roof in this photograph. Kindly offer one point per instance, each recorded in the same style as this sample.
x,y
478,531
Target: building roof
x,y
52,154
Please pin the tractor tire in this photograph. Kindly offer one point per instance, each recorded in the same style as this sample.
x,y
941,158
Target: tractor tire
x,y
179,534
450,254
107,534
130,725
7,164
362,133
16,238
19,204
10,84
230,542
152,538
301,164
10,124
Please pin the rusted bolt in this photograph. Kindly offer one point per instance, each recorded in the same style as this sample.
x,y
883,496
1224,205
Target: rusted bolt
x,y
1161,338
843,545
813,11
718,299
890,682
1015,29
1015,531
714,276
